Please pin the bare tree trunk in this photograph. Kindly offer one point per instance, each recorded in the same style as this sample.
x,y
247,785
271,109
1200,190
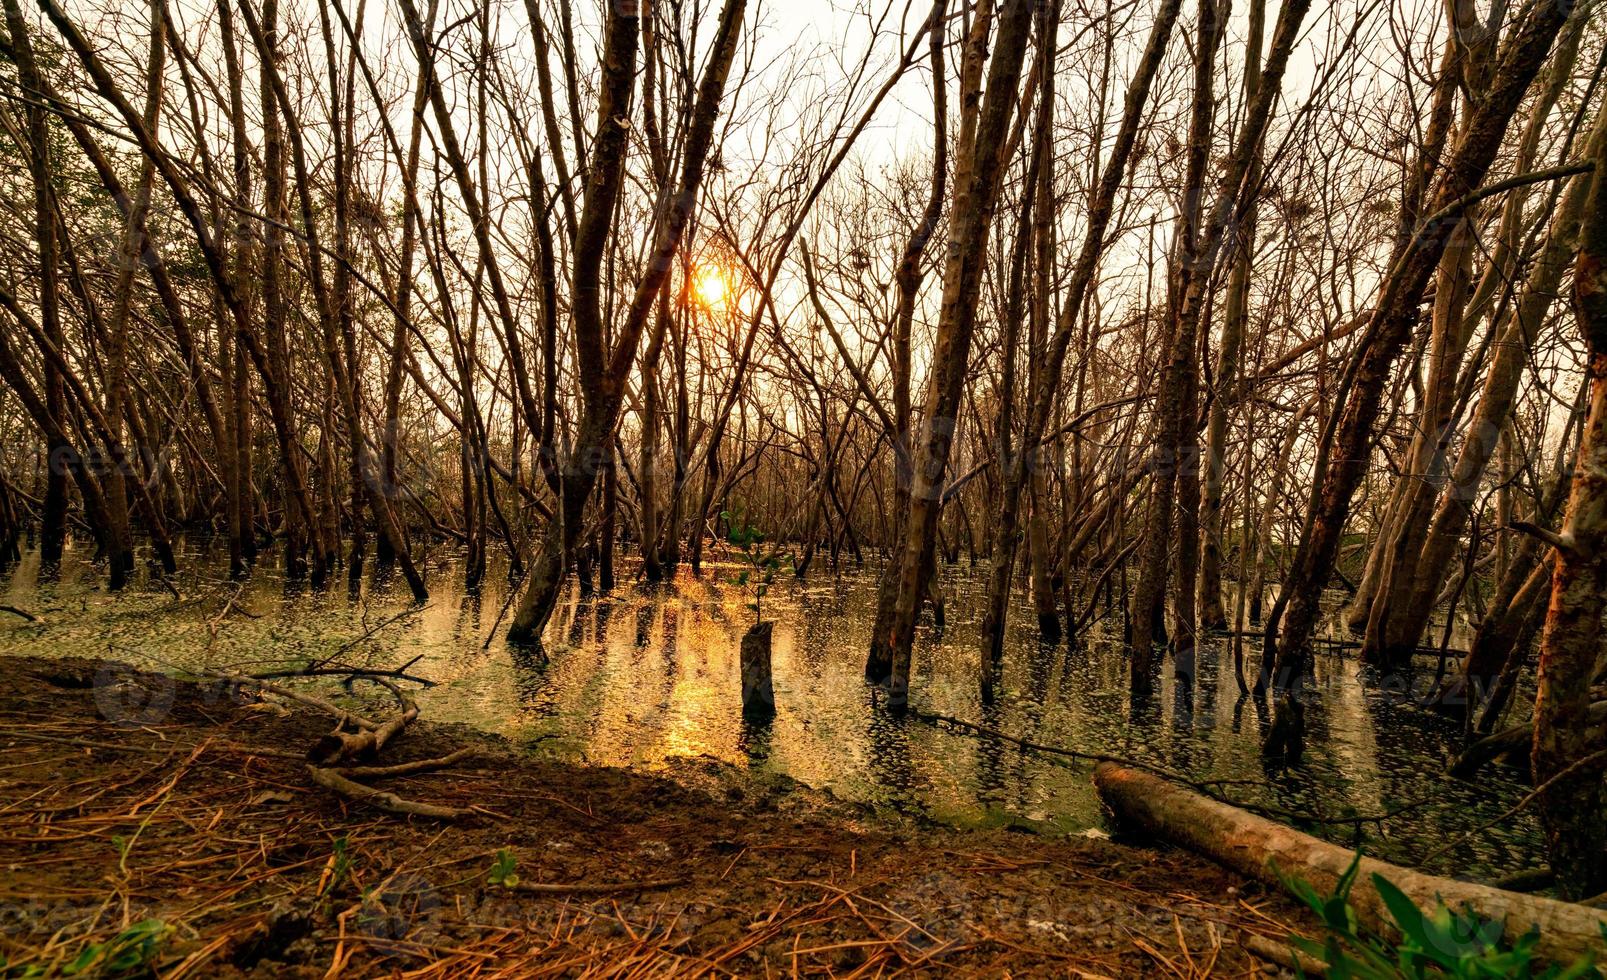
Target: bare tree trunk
x,y
53,519
300,521
647,470
1031,229
1404,621
335,321
983,131
1047,368
1387,333
1235,325
1172,464
1572,808
608,519
603,372
879,656
234,426
132,245
385,553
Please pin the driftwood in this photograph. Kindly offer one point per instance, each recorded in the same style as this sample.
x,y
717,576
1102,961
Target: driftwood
x,y
1266,851
329,760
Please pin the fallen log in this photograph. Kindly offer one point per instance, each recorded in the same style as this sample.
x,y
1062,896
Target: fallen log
x,y
1266,851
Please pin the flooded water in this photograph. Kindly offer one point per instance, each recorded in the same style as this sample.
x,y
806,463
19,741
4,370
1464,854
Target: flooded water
x,y
645,676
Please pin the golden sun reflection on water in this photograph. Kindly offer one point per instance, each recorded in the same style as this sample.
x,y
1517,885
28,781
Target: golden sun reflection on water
x,y
649,677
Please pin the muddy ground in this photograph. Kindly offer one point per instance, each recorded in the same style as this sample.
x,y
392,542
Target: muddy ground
x,y
154,826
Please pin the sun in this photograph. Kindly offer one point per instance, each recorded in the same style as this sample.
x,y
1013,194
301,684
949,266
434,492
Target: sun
x,y
711,287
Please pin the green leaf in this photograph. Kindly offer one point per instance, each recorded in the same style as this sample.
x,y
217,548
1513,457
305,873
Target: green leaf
x,y
502,872
85,960
1408,917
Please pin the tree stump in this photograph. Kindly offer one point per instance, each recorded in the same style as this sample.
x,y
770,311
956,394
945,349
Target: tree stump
x,y
758,695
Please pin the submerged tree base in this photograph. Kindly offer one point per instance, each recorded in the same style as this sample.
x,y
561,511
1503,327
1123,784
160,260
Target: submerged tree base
x,y
182,812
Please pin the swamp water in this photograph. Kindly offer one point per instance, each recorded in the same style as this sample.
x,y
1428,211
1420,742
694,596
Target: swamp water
x,y
645,676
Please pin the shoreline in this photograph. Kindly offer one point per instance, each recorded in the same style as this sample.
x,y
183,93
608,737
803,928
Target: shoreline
x,y
132,801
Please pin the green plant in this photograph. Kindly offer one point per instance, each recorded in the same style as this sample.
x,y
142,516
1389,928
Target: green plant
x,y
129,951
1442,942
502,872
339,867
762,564
29,972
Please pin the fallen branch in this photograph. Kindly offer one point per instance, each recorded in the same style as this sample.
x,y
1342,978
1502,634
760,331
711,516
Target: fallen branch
x,y
1268,851
333,781
410,611
611,888
351,673
407,768
336,711
13,610
229,605
338,745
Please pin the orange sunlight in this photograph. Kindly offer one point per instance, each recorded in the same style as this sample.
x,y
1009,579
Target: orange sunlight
x,y
711,286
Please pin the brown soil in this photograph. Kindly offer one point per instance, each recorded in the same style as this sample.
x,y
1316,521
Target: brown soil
x,y
129,797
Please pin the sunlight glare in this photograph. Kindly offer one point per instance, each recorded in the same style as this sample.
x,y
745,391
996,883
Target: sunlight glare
x,y
711,287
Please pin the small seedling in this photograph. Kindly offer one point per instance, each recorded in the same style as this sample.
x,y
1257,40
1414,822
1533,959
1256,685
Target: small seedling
x,y
337,869
762,564
133,949
502,872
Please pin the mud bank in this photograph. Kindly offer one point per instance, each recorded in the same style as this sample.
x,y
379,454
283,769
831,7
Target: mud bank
x,y
155,825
